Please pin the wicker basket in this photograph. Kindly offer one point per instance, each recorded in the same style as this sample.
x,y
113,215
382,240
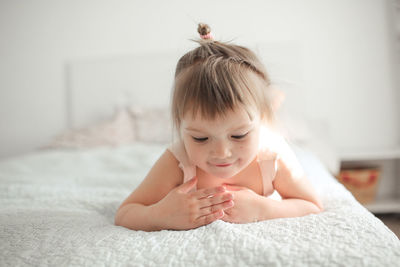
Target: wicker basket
x,y
361,182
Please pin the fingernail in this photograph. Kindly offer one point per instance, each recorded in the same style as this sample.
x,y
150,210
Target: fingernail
x,y
220,189
221,213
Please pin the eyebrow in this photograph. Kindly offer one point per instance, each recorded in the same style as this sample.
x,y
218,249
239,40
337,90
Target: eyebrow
x,y
233,129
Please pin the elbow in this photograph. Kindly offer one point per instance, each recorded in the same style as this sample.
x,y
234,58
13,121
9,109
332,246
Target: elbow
x,y
318,210
315,209
315,206
319,207
118,219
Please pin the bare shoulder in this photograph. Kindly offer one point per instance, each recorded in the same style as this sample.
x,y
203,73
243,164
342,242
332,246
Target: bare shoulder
x,y
160,180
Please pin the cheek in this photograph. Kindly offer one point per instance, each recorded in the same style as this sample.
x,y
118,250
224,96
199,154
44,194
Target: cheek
x,y
249,148
194,152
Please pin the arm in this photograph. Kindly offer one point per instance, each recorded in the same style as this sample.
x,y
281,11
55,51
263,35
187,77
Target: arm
x,y
161,201
137,212
298,196
137,216
286,208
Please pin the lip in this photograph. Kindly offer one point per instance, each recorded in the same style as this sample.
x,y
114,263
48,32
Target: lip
x,y
223,165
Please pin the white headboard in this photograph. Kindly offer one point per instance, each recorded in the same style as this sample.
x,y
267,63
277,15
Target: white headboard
x,y
96,86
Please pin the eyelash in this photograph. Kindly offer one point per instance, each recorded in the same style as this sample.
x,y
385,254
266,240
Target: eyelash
x,y
203,139
200,140
239,136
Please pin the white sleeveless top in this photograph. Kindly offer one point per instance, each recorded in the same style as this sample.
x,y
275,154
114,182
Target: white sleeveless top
x,y
272,147
267,162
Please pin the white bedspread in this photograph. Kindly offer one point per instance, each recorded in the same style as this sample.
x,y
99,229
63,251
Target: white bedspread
x,y
57,209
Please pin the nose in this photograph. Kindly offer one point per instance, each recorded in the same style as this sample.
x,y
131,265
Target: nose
x,y
221,149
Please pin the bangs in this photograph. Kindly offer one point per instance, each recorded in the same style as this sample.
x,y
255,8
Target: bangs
x,y
213,87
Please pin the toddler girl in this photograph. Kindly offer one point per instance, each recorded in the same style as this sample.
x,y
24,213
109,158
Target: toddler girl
x,y
226,162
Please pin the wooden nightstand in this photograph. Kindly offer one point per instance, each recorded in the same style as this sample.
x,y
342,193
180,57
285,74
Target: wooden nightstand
x,y
388,160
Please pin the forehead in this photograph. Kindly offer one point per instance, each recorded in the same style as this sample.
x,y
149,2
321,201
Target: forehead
x,y
214,91
231,118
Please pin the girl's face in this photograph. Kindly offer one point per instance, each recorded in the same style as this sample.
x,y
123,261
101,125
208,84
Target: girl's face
x,y
222,147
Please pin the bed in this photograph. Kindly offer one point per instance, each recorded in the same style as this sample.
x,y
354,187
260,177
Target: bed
x,y
58,209
58,203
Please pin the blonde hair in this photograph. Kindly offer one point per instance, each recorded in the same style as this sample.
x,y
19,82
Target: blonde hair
x,y
217,77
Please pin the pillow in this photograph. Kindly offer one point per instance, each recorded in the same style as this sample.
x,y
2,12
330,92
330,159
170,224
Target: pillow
x,y
152,124
118,130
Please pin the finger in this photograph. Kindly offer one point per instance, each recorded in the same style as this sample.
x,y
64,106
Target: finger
x,y
231,187
203,220
226,217
222,206
214,200
189,185
208,192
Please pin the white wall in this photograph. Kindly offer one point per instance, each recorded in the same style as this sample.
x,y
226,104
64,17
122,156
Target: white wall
x,y
347,56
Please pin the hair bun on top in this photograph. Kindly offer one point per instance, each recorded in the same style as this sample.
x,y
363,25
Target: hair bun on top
x,y
205,31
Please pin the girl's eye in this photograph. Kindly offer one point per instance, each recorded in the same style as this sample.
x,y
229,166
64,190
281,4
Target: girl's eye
x,y
200,139
239,136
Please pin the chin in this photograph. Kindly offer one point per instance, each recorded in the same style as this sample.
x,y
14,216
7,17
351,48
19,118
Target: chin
x,y
224,173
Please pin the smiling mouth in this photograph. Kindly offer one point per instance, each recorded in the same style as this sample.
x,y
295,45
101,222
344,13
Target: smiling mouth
x,y
223,165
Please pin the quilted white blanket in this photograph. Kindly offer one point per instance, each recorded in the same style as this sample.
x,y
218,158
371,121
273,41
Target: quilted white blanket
x,y
57,209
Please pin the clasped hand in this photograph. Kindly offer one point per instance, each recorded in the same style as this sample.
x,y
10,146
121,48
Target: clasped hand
x,y
181,209
246,207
